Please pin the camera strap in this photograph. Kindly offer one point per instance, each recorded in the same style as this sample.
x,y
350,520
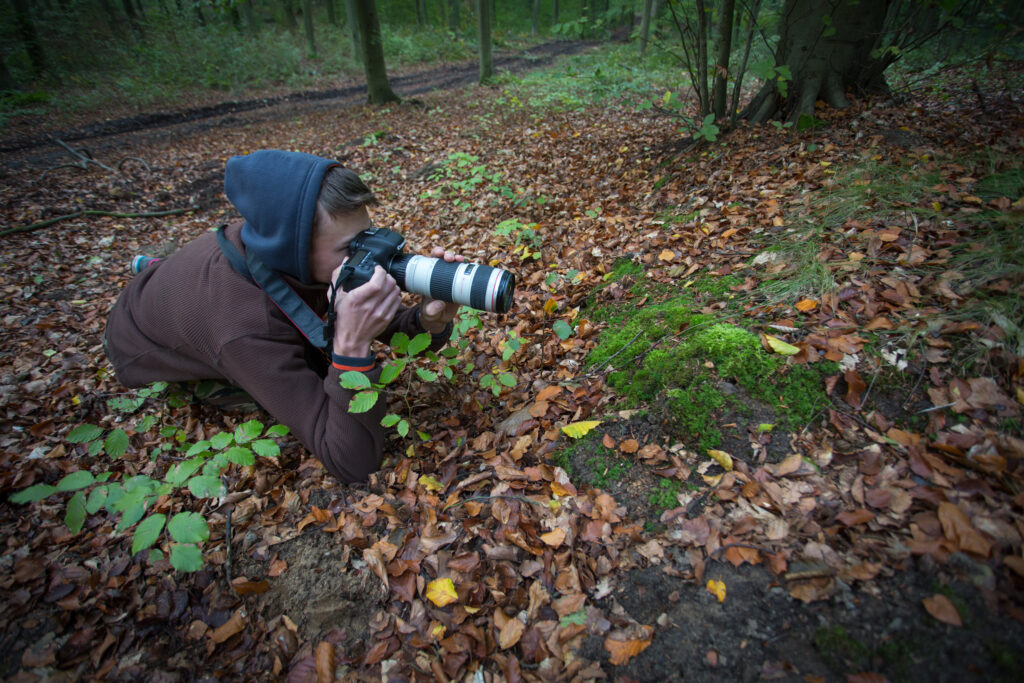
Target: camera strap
x,y
284,297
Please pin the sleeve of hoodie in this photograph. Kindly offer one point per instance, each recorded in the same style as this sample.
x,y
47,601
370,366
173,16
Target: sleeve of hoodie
x,y
273,370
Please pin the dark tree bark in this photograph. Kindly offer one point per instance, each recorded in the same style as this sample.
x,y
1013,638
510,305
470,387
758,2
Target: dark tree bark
x,y
27,33
453,15
483,24
307,25
377,86
289,15
250,16
6,80
827,45
353,28
332,15
645,26
720,87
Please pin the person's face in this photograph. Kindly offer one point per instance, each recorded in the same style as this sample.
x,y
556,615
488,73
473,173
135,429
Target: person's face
x,y
328,247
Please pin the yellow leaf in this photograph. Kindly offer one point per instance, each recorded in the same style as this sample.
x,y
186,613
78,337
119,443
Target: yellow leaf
x,y
780,347
722,458
437,630
553,538
580,429
806,305
712,479
667,255
717,588
441,592
550,306
937,206
1020,396
430,483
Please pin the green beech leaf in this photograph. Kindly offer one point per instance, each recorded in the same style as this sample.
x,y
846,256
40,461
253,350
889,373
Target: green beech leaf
x,y
266,448
75,516
222,440
507,379
277,430
354,381
206,486
132,514
419,343
188,527
83,433
426,375
179,473
33,493
155,555
562,329
241,456
247,431
186,558
363,401
97,497
403,427
391,372
400,342
148,531
390,420
76,480
198,447
116,443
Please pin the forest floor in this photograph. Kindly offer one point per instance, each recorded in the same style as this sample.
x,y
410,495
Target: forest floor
x,y
752,434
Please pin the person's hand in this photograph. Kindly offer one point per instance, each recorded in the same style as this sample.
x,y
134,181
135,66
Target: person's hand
x,y
434,314
364,313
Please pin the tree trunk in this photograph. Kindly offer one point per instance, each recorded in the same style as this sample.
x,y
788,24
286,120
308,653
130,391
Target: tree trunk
x,y
332,14
250,16
289,16
453,15
827,47
307,25
720,87
701,68
483,24
535,18
353,28
6,80
377,86
645,26
27,33
554,12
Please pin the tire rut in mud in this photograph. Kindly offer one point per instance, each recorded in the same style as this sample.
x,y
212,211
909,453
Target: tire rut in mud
x,y
406,85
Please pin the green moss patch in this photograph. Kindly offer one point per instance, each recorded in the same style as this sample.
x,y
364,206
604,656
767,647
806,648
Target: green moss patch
x,y
708,377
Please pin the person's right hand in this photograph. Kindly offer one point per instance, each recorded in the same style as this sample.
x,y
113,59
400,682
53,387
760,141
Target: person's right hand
x,y
364,313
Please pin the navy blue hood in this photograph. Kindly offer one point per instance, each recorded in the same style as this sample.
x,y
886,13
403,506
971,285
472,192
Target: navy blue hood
x,y
276,192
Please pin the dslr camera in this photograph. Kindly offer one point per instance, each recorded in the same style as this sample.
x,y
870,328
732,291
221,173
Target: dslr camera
x,y
469,284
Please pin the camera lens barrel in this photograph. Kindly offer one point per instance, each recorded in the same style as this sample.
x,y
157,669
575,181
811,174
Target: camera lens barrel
x,y
469,284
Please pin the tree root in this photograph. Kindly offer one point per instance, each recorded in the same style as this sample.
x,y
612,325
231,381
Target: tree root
x,y
93,212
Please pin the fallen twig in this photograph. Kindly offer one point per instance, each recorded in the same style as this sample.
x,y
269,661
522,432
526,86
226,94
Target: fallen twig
x,y
95,212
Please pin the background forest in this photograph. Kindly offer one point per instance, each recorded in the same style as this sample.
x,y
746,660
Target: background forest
x,y
755,412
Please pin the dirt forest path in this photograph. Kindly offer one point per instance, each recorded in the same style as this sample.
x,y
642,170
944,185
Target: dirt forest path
x,y
538,529
28,137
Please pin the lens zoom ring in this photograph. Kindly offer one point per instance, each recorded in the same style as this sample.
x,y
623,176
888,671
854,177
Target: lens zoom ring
x,y
441,280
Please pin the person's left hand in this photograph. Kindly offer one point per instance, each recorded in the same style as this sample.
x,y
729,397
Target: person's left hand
x,y
434,314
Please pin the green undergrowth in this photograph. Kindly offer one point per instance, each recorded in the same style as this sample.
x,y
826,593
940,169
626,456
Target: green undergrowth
x,y
666,354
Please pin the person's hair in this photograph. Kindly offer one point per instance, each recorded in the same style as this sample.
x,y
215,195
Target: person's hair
x,y
342,191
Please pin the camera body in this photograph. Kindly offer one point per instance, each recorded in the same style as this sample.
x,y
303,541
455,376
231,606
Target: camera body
x,y
478,286
370,248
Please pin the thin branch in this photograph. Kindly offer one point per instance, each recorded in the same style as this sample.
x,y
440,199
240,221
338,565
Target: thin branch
x,y
93,212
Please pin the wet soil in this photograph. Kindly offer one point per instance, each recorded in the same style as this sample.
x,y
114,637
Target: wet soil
x,y
35,137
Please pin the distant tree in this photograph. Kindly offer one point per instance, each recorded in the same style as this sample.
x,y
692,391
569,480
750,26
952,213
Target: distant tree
x,y
27,32
332,14
290,22
724,40
454,20
483,24
535,17
307,24
377,86
6,80
250,16
353,28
